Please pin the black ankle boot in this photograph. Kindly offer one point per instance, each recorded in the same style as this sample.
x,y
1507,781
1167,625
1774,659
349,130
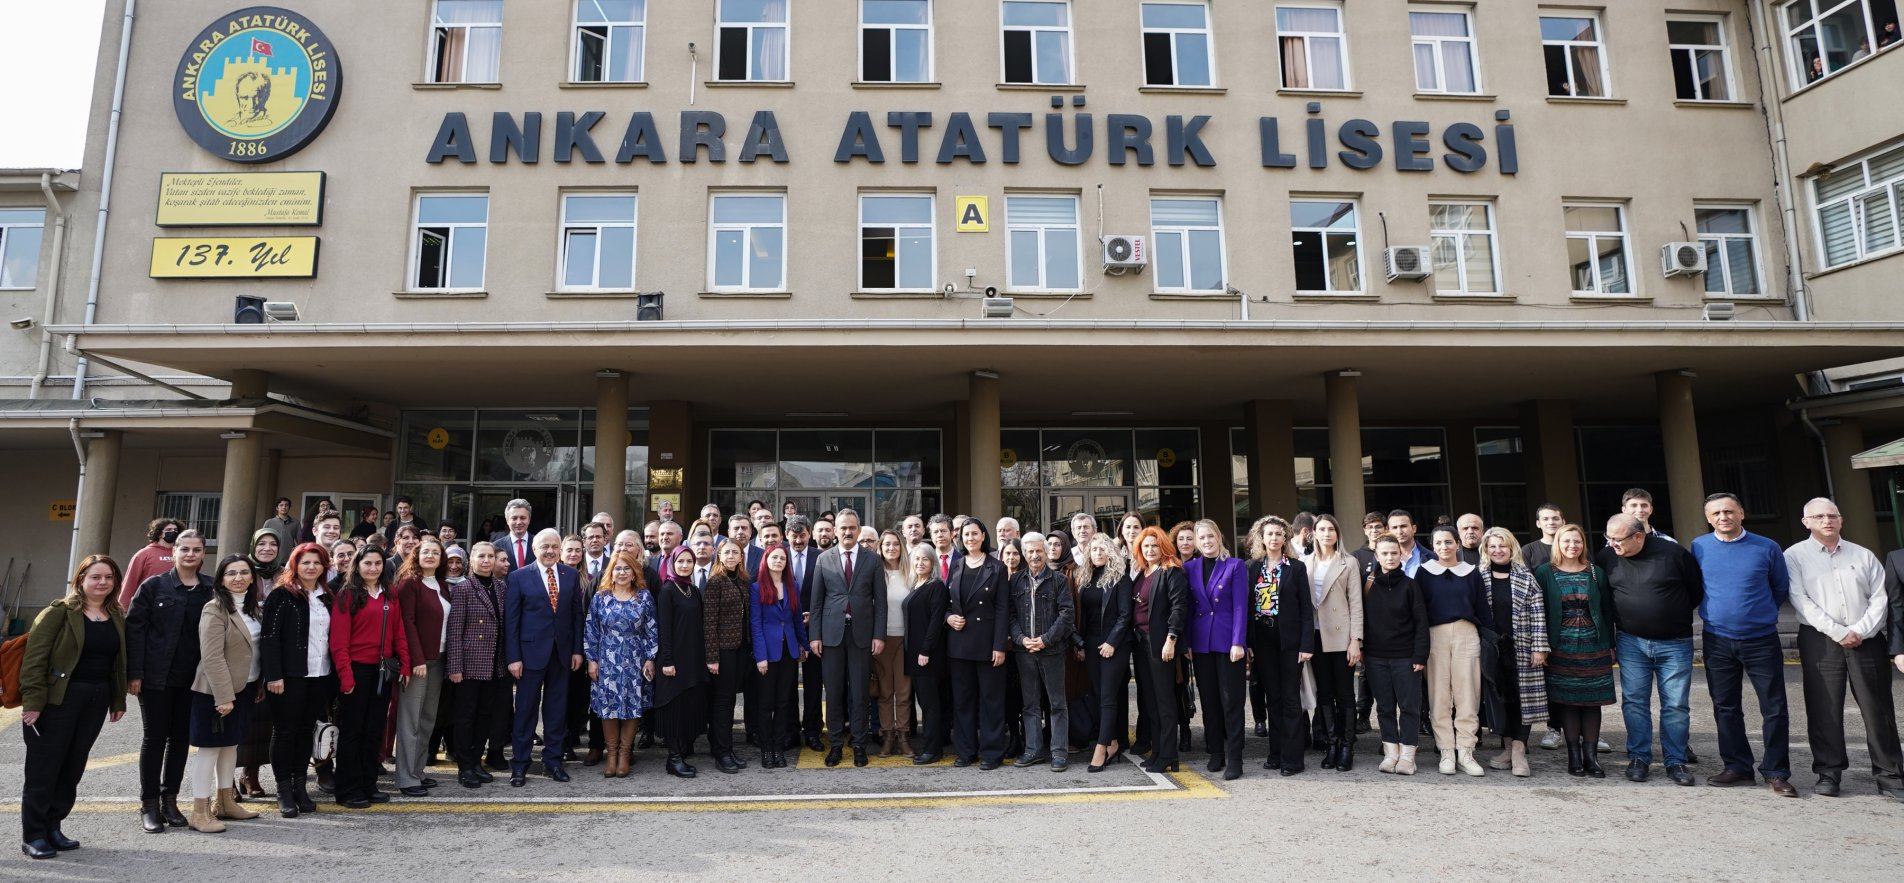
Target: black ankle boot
x,y
1589,761
1576,765
168,810
149,817
1345,754
287,803
302,798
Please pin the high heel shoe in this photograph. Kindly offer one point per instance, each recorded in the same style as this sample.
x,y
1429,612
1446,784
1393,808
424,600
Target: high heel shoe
x,y
1154,767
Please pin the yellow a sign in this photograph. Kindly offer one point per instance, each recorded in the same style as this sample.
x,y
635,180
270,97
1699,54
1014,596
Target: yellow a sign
x,y
973,213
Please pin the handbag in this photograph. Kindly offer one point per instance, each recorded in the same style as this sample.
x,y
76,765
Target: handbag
x,y
390,669
324,741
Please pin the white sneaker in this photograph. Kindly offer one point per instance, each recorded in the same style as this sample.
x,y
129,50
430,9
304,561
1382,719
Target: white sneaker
x,y
1405,765
1601,747
1447,763
1465,759
1551,741
1391,753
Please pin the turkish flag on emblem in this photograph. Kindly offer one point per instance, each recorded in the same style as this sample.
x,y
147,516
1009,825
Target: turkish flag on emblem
x,y
260,47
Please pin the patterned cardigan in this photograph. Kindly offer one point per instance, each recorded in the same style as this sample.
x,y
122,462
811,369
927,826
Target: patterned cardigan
x,y
1530,637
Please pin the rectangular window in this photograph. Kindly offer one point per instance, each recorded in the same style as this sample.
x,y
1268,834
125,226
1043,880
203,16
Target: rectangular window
x,y
747,242
1037,41
1823,37
1043,243
197,511
1732,250
1327,245
1187,244
1315,54
598,242
753,40
452,233
610,38
1464,256
1858,207
1177,44
895,41
1444,51
466,41
1596,249
1702,70
895,242
1576,55
20,231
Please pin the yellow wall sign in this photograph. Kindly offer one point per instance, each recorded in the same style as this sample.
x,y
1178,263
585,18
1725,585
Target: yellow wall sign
x,y
973,213
61,510
220,199
438,439
234,257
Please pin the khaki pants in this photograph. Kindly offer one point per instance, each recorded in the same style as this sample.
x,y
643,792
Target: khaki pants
x,y
1454,684
892,690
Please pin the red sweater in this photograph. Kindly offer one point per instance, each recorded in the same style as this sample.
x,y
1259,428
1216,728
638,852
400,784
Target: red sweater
x,y
154,559
355,635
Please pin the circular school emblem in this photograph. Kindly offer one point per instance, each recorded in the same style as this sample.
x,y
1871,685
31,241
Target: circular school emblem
x,y
257,84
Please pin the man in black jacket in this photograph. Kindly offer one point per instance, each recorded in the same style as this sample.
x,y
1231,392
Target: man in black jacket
x,y
1041,622
1656,587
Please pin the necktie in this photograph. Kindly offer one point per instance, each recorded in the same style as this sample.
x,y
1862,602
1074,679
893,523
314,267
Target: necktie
x,y
554,592
522,551
700,577
595,569
945,567
849,582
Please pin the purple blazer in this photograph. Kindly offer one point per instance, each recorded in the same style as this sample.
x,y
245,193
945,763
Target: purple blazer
x,y
1219,614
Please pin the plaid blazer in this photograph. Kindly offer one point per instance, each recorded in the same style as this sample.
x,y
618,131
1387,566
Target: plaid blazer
x,y
1530,637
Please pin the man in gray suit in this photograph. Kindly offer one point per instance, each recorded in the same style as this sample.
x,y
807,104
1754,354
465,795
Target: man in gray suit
x,y
848,629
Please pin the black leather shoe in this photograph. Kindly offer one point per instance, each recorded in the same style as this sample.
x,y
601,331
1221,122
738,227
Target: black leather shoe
x,y
727,763
496,764
1262,730
414,791
1826,787
1576,760
926,759
961,762
430,783
645,740
379,796
1591,762
303,799
989,765
1272,762
813,744
1691,758
1291,771
61,842
467,779
679,768
1636,771
38,849
737,759
833,755
1232,773
326,782
287,804
518,779
1216,763
1345,756
1680,775
859,756
354,803
168,809
556,772
1152,766
150,818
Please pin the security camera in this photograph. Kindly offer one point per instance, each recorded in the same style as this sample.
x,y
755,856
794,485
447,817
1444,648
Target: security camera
x,y
991,291
949,289
26,322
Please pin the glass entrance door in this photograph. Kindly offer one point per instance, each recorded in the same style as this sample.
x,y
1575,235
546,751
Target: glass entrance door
x,y
1107,505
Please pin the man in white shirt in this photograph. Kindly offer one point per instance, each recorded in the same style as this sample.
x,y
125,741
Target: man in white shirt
x,y
703,548
1838,593
1083,528
1638,502
913,530
800,561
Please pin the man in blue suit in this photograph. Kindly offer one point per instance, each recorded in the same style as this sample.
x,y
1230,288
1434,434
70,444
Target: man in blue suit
x,y
542,641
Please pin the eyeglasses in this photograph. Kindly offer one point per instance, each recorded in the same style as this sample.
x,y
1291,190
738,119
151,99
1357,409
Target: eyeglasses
x,y
1833,516
1616,541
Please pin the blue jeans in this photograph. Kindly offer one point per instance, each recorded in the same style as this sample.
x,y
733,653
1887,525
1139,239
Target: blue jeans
x,y
1728,664
1641,662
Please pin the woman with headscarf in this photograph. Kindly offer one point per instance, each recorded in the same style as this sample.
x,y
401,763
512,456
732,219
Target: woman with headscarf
x,y
681,656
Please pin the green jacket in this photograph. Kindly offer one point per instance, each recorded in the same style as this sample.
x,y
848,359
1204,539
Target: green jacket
x,y
52,651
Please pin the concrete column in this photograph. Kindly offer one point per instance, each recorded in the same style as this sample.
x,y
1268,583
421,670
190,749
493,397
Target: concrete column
x,y
267,499
1851,488
1679,439
670,443
1215,484
92,523
611,446
1269,428
958,469
238,506
1552,457
1464,471
983,497
1345,453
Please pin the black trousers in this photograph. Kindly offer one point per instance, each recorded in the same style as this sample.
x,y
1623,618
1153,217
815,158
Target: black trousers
x,y
978,710
683,719
1146,700
1259,694
1827,667
481,712
1507,674
1220,685
576,716
1396,686
1110,686
56,757
1335,690
812,688
1162,677
848,670
932,729
720,701
749,695
776,702
294,716
361,714
165,719
1283,675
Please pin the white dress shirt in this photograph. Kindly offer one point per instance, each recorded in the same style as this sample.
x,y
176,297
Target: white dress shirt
x,y
317,651
1837,591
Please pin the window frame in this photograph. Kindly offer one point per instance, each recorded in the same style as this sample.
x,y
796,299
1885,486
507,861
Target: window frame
x,y
1855,202
1493,234
1724,47
932,239
1184,249
417,226
1361,258
1435,43
436,47
930,28
1341,36
721,24
1794,57
565,227
1176,73
1077,226
575,45
1752,241
1599,43
714,229
1593,237
6,235
1069,29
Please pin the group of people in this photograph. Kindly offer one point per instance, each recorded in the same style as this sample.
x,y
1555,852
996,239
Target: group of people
x,y
1011,646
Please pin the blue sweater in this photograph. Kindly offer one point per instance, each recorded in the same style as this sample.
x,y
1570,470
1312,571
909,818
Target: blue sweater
x,y
1746,583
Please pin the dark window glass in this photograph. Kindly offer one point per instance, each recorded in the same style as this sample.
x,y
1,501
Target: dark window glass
x,y
1312,457
432,251
1557,83
1310,263
908,458
1405,456
1157,68
826,458
733,54
1018,460
876,63
1017,56
1175,447
1498,452
532,445
1683,76
1630,454
436,445
742,458
1087,457
590,61
878,267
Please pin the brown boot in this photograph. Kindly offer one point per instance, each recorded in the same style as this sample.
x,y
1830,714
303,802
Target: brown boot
x,y
610,730
202,819
227,806
617,760
905,745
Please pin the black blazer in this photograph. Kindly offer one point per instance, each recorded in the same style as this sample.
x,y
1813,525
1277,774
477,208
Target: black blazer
x,y
1104,615
682,640
1169,605
284,644
1296,608
1894,589
163,610
981,596
924,610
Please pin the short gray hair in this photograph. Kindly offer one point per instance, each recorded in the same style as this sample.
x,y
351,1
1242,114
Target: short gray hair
x,y
515,504
1033,537
547,532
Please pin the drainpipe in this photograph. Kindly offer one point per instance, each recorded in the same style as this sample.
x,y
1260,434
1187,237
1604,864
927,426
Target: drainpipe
x,y
105,191
79,493
1782,167
51,313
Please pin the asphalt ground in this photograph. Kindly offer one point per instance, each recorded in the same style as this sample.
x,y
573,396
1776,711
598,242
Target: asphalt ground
x,y
892,821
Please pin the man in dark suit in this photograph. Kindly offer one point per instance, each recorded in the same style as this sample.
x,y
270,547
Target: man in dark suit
x,y
850,613
542,641
801,561
1894,593
516,543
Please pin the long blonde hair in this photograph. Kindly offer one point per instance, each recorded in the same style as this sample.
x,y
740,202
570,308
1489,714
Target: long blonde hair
x,y
1513,545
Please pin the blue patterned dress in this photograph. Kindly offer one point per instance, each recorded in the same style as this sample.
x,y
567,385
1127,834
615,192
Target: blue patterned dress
x,y
620,636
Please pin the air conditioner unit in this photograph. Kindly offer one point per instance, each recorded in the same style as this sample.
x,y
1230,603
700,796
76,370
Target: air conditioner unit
x,y
1719,310
1682,259
1124,254
1407,262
